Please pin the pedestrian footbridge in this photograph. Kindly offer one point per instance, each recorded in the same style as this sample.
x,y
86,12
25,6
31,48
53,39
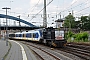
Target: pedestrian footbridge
x,y
17,19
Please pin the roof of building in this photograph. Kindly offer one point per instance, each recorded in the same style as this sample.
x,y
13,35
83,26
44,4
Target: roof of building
x,y
59,20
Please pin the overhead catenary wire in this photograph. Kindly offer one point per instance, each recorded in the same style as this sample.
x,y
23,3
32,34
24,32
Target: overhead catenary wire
x,y
59,12
68,7
78,12
82,9
2,10
41,10
25,13
32,9
35,6
72,7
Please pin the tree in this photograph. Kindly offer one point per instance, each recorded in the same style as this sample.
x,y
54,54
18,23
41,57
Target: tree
x,y
85,22
88,25
69,21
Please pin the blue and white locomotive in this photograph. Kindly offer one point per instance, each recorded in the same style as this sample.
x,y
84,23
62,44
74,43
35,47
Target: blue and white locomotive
x,y
48,36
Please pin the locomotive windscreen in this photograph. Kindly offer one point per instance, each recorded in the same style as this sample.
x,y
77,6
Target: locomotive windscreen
x,y
59,35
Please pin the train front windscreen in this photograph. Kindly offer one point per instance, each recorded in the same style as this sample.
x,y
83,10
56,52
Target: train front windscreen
x,y
59,35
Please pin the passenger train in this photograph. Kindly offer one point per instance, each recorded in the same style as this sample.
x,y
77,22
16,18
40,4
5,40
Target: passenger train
x,y
48,36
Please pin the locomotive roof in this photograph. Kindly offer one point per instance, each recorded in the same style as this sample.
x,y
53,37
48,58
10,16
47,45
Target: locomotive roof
x,y
31,31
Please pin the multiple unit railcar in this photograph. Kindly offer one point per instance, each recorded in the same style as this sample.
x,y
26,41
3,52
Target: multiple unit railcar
x,y
48,36
33,35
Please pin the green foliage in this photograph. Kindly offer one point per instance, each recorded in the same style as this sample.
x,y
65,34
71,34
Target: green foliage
x,y
78,36
81,36
66,36
85,23
70,34
69,21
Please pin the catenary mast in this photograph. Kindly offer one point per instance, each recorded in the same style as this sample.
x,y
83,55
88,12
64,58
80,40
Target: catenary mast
x,y
44,15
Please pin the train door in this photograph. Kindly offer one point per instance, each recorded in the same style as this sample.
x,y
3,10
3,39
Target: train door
x,y
34,37
24,36
31,36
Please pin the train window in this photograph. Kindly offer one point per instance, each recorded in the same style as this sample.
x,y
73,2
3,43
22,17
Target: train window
x,y
40,31
36,35
27,35
24,35
30,35
33,35
16,35
11,35
20,35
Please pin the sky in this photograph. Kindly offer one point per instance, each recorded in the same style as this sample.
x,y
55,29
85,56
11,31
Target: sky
x,y
32,10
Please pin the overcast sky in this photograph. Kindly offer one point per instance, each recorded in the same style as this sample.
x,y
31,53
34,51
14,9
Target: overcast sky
x,y
27,9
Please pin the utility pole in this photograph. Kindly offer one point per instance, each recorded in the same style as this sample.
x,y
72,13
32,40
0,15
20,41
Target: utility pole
x,y
60,15
6,26
19,21
69,24
0,26
72,12
44,15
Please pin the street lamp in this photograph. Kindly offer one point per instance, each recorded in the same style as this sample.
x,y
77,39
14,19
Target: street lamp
x,y
4,30
6,26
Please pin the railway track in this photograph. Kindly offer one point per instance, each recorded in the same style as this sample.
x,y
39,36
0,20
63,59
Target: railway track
x,y
81,51
57,54
78,52
43,54
80,46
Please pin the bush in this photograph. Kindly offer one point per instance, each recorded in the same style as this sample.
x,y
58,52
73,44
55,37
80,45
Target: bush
x,y
70,34
81,36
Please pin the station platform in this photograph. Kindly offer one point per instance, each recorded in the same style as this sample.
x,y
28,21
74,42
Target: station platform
x,y
15,51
